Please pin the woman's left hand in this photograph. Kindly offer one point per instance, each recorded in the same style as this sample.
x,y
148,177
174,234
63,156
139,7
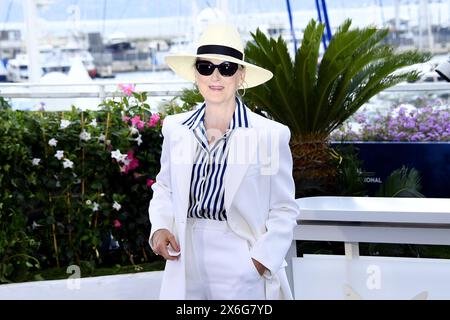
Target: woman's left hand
x,y
259,266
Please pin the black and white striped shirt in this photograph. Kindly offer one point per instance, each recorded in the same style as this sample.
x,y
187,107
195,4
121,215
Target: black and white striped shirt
x,y
207,192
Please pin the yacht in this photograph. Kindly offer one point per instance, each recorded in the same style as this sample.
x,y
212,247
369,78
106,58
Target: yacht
x,y
2,72
51,60
125,55
17,68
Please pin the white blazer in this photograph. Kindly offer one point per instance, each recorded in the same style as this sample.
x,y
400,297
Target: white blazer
x,y
259,196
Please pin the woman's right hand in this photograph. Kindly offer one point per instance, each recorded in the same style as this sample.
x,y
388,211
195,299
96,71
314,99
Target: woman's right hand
x,y
161,241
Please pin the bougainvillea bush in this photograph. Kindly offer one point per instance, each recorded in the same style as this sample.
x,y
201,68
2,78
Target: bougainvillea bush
x,y
75,186
399,123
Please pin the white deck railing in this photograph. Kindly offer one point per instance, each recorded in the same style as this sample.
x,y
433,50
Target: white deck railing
x,y
61,96
102,89
353,220
95,89
347,219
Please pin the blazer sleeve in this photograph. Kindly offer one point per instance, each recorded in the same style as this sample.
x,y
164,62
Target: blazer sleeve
x,y
272,246
160,208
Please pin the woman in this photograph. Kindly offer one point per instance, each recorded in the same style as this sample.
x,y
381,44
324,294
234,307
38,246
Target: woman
x,y
223,207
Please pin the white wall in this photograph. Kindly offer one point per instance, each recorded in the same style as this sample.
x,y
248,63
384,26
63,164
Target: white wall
x,y
136,286
332,277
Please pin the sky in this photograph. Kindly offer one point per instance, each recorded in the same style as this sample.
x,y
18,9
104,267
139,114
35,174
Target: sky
x,y
162,18
11,10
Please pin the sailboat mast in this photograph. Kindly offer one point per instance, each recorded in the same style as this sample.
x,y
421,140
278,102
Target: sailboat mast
x,y
397,16
424,23
429,31
31,28
222,5
194,12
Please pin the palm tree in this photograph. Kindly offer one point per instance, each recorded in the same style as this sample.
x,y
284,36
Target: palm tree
x,y
313,98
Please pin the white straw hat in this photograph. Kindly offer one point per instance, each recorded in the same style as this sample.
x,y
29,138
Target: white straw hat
x,y
219,42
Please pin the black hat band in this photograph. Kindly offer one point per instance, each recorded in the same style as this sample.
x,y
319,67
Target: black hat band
x,y
223,50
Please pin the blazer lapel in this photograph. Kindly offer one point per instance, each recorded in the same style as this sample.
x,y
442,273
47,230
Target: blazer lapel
x,y
242,153
182,157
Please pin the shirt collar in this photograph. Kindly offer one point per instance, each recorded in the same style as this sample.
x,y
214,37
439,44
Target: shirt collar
x,y
240,116
193,121
239,119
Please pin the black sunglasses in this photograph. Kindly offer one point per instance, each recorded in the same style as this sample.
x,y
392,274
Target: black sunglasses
x,y
206,68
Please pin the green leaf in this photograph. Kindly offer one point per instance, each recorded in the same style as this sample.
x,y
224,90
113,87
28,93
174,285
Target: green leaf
x,y
402,182
50,220
313,99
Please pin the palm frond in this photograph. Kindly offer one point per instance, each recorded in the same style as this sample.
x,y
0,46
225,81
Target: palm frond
x,y
345,48
282,55
305,67
402,182
312,98
352,76
274,54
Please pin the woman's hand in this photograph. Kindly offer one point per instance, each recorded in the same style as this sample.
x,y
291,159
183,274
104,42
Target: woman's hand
x,y
161,241
259,266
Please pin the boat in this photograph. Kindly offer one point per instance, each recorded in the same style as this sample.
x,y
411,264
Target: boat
x,y
126,56
17,69
3,72
51,60
72,52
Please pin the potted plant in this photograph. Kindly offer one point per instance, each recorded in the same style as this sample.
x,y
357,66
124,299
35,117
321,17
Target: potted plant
x,y
314,97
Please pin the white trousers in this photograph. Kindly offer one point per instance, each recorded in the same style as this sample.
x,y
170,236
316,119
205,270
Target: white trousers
x,y
218,264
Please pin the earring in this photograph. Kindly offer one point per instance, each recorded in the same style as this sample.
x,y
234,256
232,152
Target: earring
x,y
243,87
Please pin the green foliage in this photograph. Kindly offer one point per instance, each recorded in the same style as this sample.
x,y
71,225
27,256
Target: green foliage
x,y
189,98
314,94
75,186
87,269
313,98
405,250
402,182
4,104
350,179
16,247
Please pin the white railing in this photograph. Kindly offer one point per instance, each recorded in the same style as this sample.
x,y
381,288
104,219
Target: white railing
x,y
350,220
61,96
99,90
102,89
96,89
353,220
420,86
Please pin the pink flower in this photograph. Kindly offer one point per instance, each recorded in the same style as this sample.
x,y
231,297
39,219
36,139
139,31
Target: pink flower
x,y
125,118
137,122
117,224
131,163
153,120
150,182
128,89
